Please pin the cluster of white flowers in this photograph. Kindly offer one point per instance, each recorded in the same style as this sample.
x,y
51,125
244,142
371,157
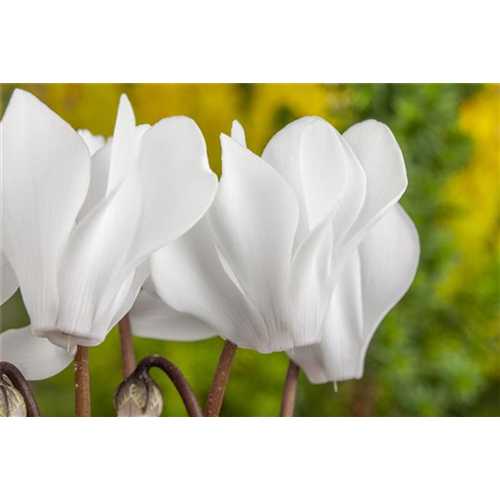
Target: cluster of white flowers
x,y
303,249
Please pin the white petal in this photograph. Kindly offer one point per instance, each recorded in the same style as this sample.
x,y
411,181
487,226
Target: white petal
x,y
141,129
152,318
125,298
45,176
101,162
9,280
352,197
311,283
283,153
98,180
335,358
93,142
323,171
389,259
96,257
381,158
254,219
96,254
149,286
332,175
116,301
375,279
177,182
125,145
37,358
189,277
156,202
238,133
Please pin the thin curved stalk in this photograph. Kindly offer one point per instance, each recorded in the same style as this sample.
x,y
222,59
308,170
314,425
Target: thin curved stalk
x,y
83,424
286,431
32,429
129,361
212,412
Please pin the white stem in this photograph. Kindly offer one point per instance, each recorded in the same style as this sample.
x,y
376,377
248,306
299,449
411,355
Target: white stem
x,y
138,455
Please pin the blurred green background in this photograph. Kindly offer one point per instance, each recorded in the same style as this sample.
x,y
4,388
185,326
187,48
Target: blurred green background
x,y
438,352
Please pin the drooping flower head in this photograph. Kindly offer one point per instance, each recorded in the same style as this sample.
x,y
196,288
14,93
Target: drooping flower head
x,y
77,229
260,268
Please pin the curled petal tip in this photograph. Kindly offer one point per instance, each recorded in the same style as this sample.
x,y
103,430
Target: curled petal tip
x,y
238,133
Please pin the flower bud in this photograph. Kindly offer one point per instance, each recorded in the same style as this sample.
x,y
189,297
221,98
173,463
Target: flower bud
x,y
138,396
12,403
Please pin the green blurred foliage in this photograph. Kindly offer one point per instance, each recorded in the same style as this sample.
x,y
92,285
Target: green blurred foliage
x,y
433,355
437,352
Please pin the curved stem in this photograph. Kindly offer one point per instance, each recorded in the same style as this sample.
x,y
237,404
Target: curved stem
x,y
286,430
127,346
33,428
212,411
193,408
182,385
83,433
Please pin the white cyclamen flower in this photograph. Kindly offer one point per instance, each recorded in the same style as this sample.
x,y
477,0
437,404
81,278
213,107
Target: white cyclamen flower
x,y
261,266
77,230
